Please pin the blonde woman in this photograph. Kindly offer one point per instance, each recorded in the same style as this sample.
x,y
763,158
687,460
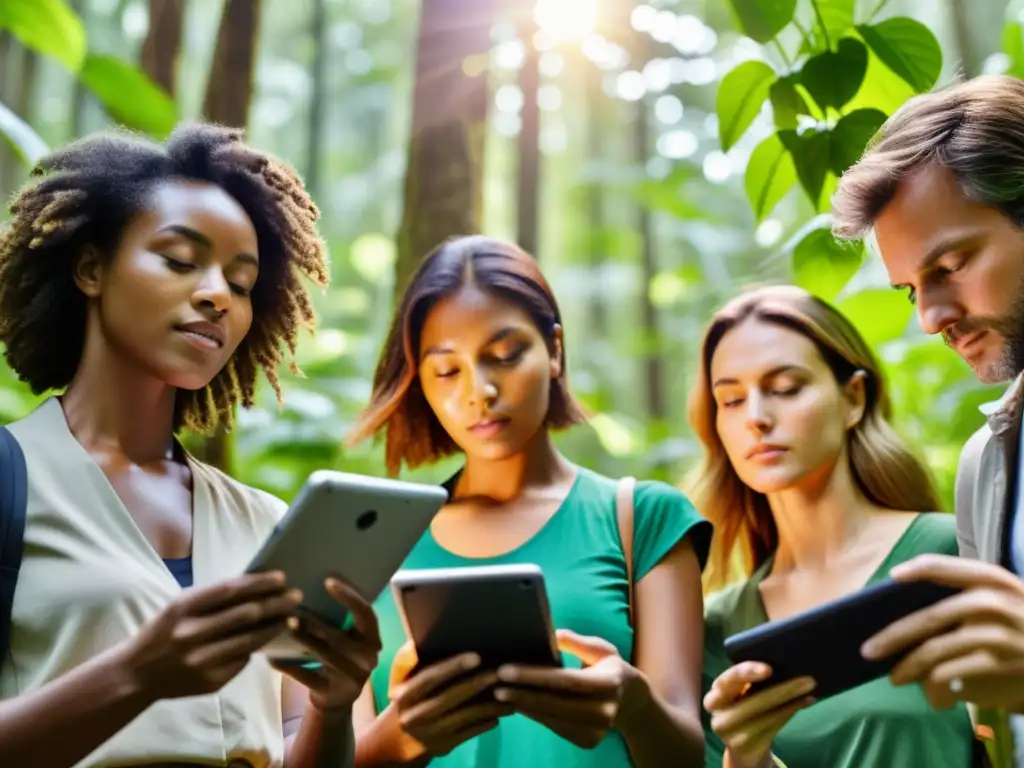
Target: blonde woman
x,y
814,496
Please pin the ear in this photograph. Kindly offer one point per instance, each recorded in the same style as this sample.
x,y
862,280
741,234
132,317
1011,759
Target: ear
x,y
856,393
556,352
88,271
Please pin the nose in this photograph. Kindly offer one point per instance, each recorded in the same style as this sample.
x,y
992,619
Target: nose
x,y
937,311
484,390
759,420
213,292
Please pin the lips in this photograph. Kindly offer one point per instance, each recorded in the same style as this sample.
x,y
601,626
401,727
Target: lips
x,y
212,333
765,450
489,425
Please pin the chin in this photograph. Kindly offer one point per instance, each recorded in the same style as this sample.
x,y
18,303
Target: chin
x,y
770,482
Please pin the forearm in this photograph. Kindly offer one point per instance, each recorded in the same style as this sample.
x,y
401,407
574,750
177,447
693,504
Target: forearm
x,y
65,720
384,744
654,728
324,740
769,761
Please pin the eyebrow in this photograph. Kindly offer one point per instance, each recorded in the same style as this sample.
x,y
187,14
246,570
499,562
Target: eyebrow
x,y
728,381
202,240
441,349
952,242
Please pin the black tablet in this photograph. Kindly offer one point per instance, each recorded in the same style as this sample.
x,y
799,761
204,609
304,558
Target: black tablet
x,y
499,611
824,642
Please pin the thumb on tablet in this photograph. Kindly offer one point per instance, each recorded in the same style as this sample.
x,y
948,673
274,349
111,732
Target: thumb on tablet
x,y
404,662
589,650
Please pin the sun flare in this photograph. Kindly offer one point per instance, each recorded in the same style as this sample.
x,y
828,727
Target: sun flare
x,y
565,20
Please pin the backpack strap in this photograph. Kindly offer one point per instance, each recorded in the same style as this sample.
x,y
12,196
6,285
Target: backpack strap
x,y
624,512
13,506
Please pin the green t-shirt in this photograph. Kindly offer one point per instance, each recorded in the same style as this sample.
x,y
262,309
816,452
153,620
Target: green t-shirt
x,y
875,725
580,553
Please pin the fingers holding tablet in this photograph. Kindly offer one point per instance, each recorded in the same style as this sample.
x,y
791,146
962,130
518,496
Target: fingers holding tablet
x,y
748,722
442,705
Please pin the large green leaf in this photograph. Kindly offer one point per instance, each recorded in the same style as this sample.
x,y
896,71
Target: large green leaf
x,y
26,143
908,48
880,314
770,175
761,20
882,89
823,265
834,77
787,102
740,97
837,16
1013,46
50,27
811,152
129,96
851,135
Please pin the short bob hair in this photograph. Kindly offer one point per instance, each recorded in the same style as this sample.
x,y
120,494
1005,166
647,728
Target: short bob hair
x,y
414,436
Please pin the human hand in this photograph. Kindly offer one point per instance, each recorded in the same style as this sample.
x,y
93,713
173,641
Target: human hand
x,y
967,647
445,704
206,636
347,657
580,705
747,724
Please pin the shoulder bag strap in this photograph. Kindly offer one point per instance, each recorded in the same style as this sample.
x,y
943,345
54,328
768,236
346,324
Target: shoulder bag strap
x,y
624,512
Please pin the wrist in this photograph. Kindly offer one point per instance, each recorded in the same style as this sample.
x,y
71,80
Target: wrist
x,y
636,701
385,742
733,761
123,676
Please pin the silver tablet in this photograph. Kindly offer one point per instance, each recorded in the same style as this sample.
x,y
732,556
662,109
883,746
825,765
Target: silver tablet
x,y
357,527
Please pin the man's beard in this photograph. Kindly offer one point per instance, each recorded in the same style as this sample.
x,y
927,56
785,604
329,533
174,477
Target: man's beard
x,y
1010,329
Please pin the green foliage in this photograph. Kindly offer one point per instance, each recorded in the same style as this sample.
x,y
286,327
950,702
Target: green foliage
x,y
48,27
836,72
26,143
761,20
1013,47
740,99
129,96
52,28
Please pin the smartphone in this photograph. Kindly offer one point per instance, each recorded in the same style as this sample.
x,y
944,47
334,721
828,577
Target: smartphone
x,y
824,642
356,527
499,611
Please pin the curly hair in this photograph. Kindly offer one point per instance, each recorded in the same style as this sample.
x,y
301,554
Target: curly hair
x,y
85,195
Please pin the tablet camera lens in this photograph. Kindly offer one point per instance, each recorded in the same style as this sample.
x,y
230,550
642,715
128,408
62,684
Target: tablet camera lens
x,y
525,584
366,519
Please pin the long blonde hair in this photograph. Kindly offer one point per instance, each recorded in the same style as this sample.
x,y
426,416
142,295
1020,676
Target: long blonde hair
x,y
883,468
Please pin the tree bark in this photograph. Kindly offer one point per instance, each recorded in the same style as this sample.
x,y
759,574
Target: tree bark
x,y
528,192
314,141
229,92
159,58
444,175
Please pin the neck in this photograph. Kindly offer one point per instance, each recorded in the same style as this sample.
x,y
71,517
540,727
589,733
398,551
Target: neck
x,y
113,405
539,464
817,521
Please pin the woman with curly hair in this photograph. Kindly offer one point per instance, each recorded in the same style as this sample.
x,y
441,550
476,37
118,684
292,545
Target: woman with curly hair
x,y
149,285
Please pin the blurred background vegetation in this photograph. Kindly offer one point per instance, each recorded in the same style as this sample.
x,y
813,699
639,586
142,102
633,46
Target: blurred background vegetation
x,y
656,157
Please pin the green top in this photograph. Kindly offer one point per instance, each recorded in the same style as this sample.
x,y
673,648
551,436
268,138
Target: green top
x,y
871,726
580,553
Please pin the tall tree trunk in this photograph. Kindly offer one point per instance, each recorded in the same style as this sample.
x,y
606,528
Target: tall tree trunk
x,y
314,140
7,97
229,92
21,65
597,311
528,192
159,58
444,176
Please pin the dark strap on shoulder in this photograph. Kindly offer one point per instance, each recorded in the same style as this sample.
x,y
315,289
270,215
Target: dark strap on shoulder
x,y
13,505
